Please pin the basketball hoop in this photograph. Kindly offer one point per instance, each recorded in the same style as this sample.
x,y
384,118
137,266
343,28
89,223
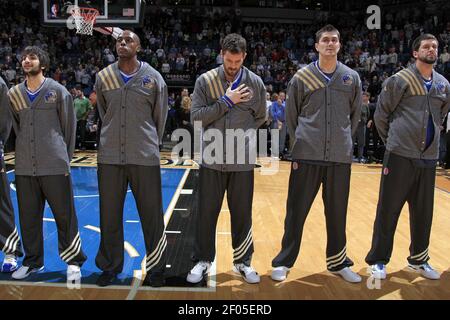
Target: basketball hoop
x,y
84,19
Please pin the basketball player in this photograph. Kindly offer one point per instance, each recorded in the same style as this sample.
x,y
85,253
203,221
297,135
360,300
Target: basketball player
x,y
133,103
44,122
227,97
410,110
322,113
9,237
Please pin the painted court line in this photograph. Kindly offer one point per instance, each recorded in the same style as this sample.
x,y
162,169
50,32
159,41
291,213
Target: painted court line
x,y
169,211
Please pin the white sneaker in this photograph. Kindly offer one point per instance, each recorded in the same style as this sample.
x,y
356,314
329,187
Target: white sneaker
x,y
9,263
73,273
248,273
198,272
24,272
279,273
378,271
348,275
426,271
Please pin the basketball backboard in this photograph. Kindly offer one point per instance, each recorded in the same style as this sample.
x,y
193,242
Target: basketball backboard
x,y
117,13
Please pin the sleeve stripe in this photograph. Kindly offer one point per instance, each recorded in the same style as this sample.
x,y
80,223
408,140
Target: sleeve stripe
x,y
102,78
418,83
13,100
313,76
214,94
19,94
306,82
210,76
219,84
114,77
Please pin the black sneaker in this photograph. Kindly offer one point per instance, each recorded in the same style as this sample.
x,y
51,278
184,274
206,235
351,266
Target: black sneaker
x,y
155,279
106,278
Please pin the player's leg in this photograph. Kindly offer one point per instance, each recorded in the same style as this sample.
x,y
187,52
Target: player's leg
x,y
31,212
240,200
396,180
112,185
58,191
211,189
420,201
336,187
304,183
145,183
9,236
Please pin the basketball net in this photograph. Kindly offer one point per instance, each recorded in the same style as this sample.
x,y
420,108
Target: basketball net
x,y
84,19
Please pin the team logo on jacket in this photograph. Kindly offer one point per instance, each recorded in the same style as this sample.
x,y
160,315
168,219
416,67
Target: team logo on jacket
x,y
50,97
347,80
147,82
386,171
440,86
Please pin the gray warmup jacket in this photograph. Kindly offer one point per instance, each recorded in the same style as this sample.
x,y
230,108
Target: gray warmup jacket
x,y
45,129
214,113
403,109
133,116
323,116
5,116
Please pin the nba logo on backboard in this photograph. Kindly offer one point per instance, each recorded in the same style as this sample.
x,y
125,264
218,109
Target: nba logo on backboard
x,y
128,12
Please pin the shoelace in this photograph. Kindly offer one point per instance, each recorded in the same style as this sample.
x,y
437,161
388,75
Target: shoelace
x,y
379,267
201,265
248,269
427,267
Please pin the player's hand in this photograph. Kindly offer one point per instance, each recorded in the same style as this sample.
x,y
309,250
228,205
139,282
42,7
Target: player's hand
x,y
369,124
238,95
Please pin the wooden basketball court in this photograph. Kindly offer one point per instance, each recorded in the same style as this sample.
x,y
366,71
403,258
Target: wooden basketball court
x,y
309,278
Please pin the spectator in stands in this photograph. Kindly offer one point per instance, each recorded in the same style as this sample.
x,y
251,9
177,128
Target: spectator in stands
x,y
82,106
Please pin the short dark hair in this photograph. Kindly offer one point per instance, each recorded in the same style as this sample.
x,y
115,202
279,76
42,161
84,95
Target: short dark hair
x,y
327,28
234,43
418,41
44,60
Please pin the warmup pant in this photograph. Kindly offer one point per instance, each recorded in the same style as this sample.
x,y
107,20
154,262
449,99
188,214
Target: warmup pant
x,y
212,187
9,236
304,183
403,181
31,194
145,183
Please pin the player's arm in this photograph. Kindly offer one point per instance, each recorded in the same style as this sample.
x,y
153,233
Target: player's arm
x,y
355,108
14,114
161,107
203,112
260,112
5,116
294,100
68,121
101,102
446,106
389,98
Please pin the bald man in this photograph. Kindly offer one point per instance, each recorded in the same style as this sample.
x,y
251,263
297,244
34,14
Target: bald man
x,y
132,103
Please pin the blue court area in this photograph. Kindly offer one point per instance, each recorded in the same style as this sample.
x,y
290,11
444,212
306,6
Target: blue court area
x,y
84,181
